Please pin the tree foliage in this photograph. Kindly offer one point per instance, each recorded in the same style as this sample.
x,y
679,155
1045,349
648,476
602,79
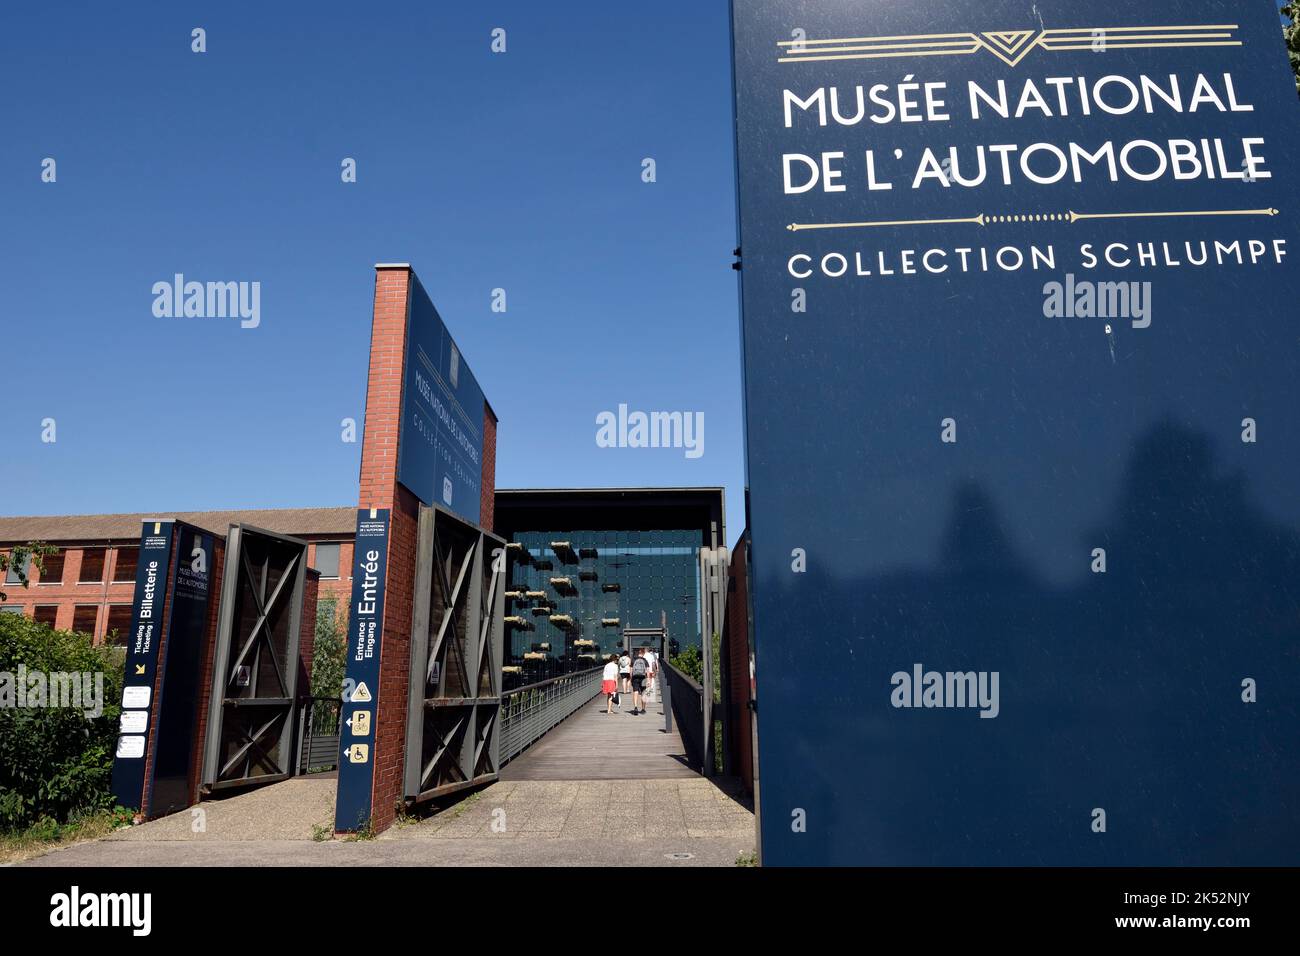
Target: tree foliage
x,y
55,763
329,651
1291,32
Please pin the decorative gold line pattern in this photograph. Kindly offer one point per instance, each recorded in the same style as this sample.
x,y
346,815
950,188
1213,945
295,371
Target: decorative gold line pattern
x,y
1050,42
1010,46
913,36
1076,216
1028,217
966,42
1061,31
999,218
1110,30
1115,45
801,226
873,56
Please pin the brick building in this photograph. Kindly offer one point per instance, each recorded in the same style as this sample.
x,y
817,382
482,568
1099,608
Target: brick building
x,y
88,583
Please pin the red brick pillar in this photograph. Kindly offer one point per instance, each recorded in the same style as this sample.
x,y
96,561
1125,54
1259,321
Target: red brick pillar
x,y
218,567
379,489
307,631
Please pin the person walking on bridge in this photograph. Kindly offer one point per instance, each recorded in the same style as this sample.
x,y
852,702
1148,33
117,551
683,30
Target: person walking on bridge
x,y
609,683
652,677
625,673
640,667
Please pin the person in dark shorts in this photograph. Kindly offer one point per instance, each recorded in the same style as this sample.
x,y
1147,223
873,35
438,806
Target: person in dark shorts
x,y
625,673
640,668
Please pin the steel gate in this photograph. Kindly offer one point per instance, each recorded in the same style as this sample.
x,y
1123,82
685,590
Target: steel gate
x,y
457,640
253,704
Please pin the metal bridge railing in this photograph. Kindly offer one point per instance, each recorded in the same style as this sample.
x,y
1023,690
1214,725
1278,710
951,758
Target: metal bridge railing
x,y
687,704
318,733
530,711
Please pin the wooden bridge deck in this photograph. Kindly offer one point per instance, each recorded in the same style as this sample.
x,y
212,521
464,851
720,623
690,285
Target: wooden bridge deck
x,y
593,746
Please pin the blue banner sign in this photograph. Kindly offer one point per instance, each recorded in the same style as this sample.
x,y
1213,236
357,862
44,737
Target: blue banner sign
x,y
440,448
147,616
357,732
1019,285
185,647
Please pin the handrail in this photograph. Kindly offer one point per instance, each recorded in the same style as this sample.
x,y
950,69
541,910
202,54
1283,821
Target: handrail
x,y
688,709
550,680
699,688
528,712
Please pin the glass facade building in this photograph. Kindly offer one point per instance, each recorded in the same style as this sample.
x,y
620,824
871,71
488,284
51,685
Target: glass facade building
x,y
583,565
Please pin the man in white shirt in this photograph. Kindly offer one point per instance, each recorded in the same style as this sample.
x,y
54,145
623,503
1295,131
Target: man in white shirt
x,y
609,683
653,660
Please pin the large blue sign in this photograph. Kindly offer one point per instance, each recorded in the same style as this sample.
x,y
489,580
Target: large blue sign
x,y
360,709
1019,290
141,670
440,455
184,651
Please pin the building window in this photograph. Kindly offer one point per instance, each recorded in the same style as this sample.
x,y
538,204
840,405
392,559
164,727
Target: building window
x,y
46,614
119,624
11,609
53,571
92,566
327,560
124,568
11,575
84,617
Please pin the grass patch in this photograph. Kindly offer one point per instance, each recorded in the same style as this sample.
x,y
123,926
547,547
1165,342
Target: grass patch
x,y
364,833
47,834
408,816
747,859
465,804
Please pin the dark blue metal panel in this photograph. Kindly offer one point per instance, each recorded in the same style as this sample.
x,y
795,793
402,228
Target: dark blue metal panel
x,y
182,657
141,664
359,719
441,446
1124,690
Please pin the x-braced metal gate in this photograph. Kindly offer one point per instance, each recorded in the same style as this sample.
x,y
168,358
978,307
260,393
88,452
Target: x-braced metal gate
x,y
251,712
457,640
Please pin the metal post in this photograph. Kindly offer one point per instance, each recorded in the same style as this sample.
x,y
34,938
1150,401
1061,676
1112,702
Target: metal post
x,y
666,696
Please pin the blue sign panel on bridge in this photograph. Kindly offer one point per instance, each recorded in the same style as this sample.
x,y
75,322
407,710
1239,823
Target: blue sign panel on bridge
x,y
441,445
359,715
1019,290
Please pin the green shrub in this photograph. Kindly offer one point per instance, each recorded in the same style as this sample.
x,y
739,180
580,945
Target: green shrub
x,y
55,763
329,648
691,663
329,662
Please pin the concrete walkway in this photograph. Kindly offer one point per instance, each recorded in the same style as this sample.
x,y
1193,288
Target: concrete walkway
x,y
620,812
511,823
296,809
594,745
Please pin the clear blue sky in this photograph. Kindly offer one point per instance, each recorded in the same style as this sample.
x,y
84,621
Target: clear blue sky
x,y
520,171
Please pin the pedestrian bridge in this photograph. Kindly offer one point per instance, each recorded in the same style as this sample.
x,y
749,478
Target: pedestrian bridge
x,y
590,744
